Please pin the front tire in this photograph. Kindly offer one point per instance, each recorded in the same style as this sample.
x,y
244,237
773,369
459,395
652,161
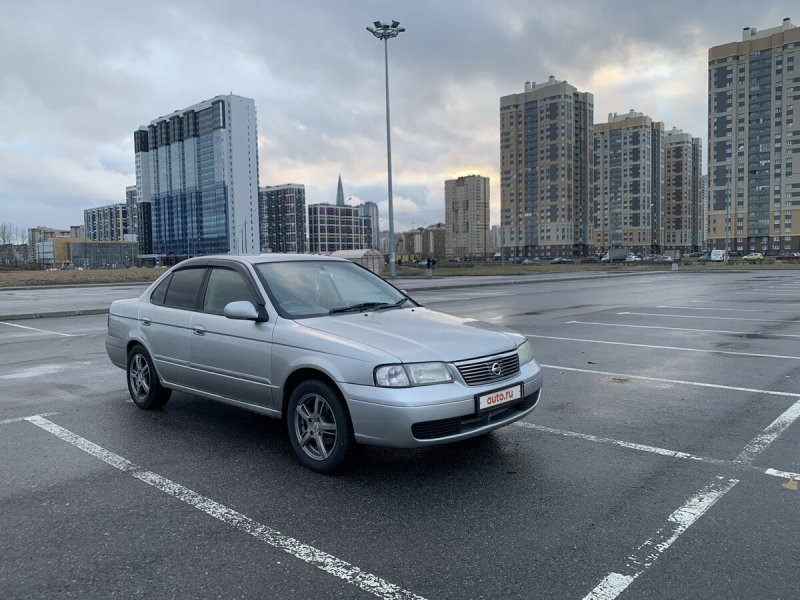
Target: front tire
x,y
320,431
143,384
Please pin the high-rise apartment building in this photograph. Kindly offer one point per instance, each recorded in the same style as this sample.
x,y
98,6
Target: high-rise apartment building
x,y
754,141
683,193
333,227
546,159
424,242
132,203
197,179
627,208
703,210
466,217
283,218
106,223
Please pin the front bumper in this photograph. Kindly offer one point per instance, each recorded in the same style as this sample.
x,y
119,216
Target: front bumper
x,y
437,414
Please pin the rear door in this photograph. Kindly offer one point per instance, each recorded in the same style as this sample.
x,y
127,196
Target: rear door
x,y
231,358
165,323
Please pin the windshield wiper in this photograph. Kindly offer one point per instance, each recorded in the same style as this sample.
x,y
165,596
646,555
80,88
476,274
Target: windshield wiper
x,y
359,307
397,304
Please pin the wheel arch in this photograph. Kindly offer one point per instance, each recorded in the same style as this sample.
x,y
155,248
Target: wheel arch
x,y
304,374
133,344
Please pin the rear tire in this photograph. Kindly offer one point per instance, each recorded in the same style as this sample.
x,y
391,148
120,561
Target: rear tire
x,y
320,431
143,384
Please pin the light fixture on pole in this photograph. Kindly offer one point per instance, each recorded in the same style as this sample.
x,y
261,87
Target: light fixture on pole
x,y
384,31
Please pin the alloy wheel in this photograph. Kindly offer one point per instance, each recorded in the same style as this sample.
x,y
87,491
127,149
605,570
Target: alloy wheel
x,y
315,426
140,377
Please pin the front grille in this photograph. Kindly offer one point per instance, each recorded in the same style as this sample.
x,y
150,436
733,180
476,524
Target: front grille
x,y
479,371
430,430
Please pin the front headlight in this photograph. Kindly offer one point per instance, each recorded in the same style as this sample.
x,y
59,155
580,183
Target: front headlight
x,y
525,351
391,376
412,374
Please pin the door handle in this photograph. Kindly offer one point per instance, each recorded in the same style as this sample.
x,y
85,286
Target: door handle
x,y
199,330
146,321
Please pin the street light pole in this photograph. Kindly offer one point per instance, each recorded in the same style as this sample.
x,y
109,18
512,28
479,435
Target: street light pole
x,y
384,31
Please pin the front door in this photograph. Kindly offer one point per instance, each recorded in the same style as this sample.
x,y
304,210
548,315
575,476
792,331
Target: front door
x,y
231,358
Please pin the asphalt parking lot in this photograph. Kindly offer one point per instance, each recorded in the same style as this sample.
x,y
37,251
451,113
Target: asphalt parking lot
x,y
662,462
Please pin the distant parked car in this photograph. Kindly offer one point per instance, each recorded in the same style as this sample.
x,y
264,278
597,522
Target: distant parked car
x,y
561,260
633,258
338,354
719,256
793,257
754,257
590,259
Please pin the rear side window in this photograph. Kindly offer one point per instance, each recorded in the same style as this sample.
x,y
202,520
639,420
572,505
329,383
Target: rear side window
x,y
160,293
183,288
224,286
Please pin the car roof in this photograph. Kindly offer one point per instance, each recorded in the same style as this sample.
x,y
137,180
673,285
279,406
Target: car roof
x,y
254,259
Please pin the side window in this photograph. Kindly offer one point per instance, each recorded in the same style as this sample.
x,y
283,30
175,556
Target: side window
x,y
160,293
224,286
183,288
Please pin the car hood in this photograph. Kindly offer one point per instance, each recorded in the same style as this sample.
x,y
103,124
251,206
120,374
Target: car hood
x,y
419,334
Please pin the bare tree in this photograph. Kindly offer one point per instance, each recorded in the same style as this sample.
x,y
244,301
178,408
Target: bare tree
x,y
7,233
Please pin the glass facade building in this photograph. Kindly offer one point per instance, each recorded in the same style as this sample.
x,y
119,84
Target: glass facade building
x,y
197,180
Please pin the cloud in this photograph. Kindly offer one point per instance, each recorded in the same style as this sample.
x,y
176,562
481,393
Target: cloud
x,y
77,78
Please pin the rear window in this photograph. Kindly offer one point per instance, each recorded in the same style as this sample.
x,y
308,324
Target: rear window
x,y
160,293
183,288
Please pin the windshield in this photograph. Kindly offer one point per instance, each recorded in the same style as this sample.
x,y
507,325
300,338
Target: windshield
x,y
313,288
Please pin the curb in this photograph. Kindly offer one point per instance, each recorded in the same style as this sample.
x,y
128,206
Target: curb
x,y
56,313
75,285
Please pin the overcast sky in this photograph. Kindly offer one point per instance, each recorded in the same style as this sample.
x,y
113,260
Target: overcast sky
x,y
77,78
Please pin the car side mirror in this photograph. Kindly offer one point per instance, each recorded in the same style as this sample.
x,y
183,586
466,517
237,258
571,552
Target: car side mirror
x,y
242,310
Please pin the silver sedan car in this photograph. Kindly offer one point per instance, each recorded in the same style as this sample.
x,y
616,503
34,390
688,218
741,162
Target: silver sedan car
x,y
340,355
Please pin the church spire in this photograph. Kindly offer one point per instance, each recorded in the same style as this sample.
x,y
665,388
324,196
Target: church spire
x,y
340,193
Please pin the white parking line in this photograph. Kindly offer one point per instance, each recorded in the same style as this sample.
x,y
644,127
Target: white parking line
x,y
770,434
645,555
656,450
783,474
758,310
623,444
675,381
702,317
18,419
764,295
615,582
770,335
322,560
37,371
728,352
41,330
